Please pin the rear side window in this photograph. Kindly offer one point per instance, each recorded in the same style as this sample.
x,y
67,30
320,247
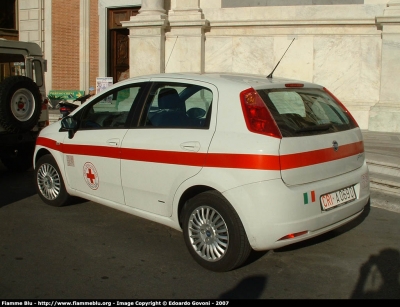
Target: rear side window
x,y
11,65
300,112
178,105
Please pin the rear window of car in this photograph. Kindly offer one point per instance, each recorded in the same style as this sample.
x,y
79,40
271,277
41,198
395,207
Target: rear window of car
x,y
300,112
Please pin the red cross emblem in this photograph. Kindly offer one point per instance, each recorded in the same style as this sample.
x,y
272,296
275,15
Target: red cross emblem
x,y
91,176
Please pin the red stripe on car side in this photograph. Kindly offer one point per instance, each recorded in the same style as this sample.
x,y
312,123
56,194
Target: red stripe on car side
x,y
49,143
223,160
245,161
87,150
308,158
91,150
168,157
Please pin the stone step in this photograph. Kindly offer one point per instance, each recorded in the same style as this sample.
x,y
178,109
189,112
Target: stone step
x,y
384,168
384,171
389,159
384,182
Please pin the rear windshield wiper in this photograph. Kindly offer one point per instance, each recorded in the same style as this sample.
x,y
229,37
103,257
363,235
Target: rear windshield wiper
x,y
314,128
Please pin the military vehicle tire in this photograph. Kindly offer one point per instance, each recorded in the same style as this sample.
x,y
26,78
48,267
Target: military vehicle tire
x,y
20,104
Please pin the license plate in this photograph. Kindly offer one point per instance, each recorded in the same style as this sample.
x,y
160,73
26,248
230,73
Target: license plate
x,y
337,198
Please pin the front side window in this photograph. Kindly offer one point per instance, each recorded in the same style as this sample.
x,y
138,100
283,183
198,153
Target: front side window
x,y
113,109
176,105
299,112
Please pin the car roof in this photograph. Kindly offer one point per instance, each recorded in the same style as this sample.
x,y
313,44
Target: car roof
x,y
250,80
31,48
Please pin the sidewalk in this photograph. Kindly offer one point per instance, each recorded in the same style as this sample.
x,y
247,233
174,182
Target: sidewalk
x,y
382,150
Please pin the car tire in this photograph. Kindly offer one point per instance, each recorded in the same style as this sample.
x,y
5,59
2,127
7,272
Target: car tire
x,y
213,232
20,104
49,182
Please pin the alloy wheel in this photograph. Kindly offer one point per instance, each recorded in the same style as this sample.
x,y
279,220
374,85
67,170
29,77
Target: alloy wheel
x,y
208,233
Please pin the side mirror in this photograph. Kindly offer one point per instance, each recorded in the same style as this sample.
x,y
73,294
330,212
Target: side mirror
x,y
69,124
71,134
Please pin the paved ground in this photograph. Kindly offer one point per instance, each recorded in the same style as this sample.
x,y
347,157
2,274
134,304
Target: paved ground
x,y
88,251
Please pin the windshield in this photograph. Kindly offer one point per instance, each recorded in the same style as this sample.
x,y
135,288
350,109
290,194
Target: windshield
x,y
300,112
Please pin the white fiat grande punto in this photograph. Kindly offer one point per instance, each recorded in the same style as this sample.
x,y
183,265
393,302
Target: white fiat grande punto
x,y
235,162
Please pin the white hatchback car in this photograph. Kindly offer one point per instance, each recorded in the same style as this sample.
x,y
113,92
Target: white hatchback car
x,y
236,162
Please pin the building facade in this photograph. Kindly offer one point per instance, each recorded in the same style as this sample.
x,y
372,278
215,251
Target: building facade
x,y
352,47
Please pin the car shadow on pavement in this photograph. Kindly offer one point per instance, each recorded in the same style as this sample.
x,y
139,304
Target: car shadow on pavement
x,y
15,186
248,288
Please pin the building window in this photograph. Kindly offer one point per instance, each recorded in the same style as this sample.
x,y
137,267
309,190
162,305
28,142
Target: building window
x,y
7,15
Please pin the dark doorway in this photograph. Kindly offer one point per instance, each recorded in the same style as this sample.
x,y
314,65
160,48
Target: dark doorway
x,y
118,67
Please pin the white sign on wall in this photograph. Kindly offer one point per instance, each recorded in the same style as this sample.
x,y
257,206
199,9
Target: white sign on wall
x,y
102,83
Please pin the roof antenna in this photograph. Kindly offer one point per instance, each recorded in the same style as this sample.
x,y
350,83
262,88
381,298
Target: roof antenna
x,y
270,75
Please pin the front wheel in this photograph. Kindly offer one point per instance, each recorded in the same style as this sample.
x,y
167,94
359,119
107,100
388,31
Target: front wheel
x,y
49,182
213,232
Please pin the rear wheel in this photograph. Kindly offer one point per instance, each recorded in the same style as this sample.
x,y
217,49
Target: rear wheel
x,y
49,182
213,232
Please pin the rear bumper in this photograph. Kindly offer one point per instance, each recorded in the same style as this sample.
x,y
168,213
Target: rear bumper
x,y
271,210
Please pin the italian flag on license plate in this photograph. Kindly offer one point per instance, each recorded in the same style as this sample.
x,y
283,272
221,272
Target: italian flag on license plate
x,y
309,197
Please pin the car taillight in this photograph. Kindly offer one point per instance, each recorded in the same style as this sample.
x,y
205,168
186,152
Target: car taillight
x,y
294,85
342,106
257,116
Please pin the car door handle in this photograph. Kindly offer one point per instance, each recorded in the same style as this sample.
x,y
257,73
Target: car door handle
x,y
113,142
191,146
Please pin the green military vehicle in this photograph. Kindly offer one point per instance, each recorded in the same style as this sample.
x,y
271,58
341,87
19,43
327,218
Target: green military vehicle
x,y
23,102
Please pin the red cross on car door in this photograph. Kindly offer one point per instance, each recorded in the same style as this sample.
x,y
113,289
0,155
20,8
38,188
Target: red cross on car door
x,y
93,154
92,163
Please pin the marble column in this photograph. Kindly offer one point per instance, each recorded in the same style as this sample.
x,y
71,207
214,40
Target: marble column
x,y
385,115
147,39
188,8
186,38
152,8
